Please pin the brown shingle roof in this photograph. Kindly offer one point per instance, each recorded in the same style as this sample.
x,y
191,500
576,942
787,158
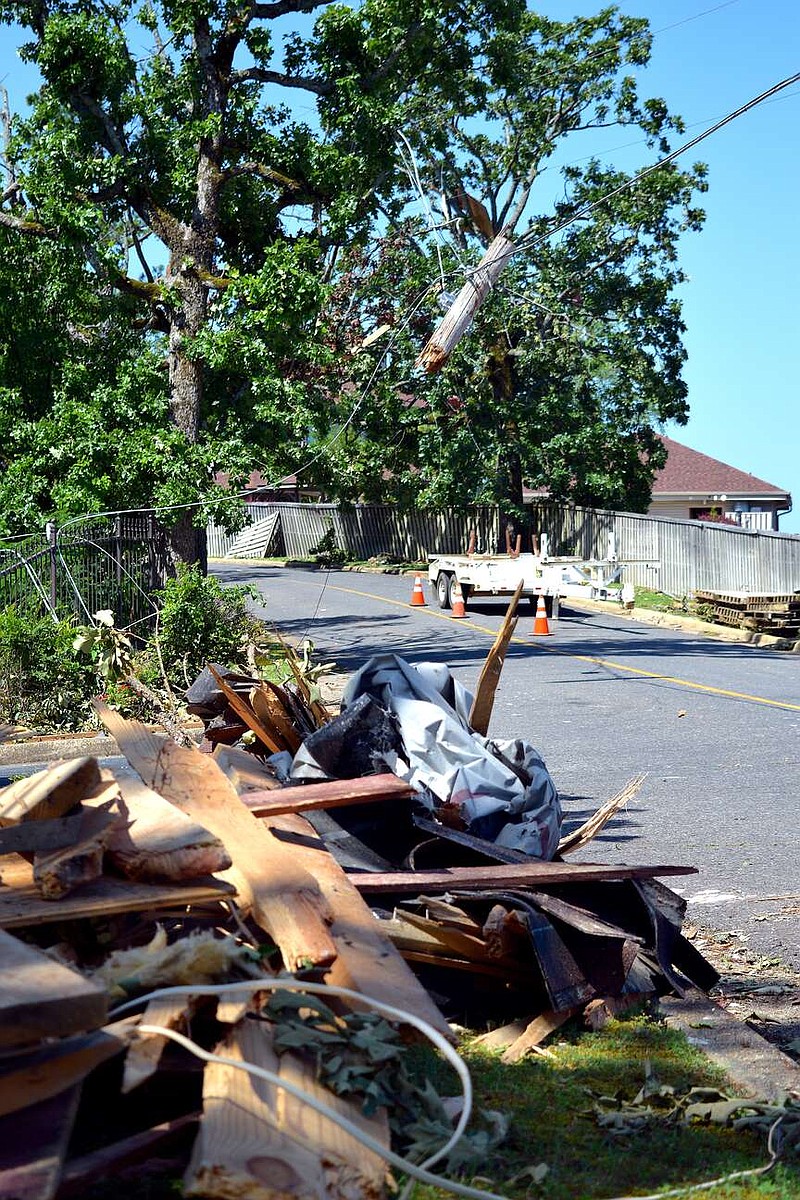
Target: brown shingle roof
x,y
690,472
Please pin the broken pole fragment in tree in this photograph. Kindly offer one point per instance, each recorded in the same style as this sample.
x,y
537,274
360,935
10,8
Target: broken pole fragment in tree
x,y
459,316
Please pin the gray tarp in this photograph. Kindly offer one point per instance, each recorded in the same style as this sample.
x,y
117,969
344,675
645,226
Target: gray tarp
x,y
501,790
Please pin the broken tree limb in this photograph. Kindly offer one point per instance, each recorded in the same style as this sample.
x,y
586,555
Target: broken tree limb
x,y
481,711
459,316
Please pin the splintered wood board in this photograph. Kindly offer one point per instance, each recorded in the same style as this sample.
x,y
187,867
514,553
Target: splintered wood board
x,y
336,793
21,904
504,875
286,900
257,1140
49,793
41,998
367,960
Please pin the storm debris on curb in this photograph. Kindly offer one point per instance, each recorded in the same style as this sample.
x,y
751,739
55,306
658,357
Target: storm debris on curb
x,y
390,850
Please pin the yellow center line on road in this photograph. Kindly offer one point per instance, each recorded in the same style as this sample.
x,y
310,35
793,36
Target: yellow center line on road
x,y
586,658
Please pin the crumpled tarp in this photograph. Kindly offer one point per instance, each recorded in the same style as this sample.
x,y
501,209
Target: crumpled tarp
x,y
501,790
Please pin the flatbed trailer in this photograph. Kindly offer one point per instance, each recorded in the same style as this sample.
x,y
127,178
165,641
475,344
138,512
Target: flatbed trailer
x,y
541,575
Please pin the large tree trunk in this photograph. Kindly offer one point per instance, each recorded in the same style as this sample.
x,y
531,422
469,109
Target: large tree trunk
x,y
509,464
187,542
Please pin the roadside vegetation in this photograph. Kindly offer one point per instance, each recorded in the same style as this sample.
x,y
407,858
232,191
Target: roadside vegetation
x,y
50,671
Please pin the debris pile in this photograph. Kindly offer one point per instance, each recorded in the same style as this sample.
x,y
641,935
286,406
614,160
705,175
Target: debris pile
x,y
393,851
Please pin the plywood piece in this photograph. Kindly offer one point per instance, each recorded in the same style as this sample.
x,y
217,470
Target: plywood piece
x,y
537,874
42,998
244,770
21,905
156,841
31,837
50,793
256,1140
367,960
285,899
33,1143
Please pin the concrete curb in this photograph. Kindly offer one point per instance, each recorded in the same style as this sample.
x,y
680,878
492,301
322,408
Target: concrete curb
x,y
760,1069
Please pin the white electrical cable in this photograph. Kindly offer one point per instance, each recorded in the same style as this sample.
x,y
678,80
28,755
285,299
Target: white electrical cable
x,y
289,983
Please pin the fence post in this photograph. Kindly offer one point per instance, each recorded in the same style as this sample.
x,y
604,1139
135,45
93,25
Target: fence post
x,y
50,533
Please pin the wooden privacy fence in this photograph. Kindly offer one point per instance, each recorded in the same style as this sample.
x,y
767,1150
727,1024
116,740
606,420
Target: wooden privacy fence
x,y
663,553
113,562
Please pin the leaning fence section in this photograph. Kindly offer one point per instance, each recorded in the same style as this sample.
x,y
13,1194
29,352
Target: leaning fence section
x,y
114,562
663,553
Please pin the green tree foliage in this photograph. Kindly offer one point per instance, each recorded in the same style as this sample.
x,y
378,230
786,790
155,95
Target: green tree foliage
x,y
170,169
575,359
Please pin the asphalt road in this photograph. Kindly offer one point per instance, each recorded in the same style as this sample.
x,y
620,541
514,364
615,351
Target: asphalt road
x,y
715,725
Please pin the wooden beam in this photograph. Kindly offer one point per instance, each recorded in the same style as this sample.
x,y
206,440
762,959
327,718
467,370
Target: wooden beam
x,y
58,872
39,1074
334,793
538,874
40,997
481,711
537,1032
99,1164
286,900
258,1141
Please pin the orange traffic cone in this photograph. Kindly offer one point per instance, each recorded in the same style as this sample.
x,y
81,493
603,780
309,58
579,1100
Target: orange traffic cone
x,y
540,625
458,608
417,594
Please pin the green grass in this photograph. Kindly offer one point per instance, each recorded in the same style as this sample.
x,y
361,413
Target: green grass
x,y
659,601
550,1100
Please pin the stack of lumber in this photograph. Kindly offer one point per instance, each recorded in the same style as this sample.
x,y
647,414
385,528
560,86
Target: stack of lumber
x,y
761,612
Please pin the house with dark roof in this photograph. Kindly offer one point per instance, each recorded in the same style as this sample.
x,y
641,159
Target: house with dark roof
x,y
702,488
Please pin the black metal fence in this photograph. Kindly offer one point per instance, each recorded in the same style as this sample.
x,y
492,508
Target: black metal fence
x,y
115,562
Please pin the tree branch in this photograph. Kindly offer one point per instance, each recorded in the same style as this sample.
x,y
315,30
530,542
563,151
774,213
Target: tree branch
x,y
264,172
21,225
279,8
306,83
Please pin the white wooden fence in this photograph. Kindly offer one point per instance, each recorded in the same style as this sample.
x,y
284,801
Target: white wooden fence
x,y
664,553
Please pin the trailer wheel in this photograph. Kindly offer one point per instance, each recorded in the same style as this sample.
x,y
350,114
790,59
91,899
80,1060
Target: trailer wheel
x,y
443,588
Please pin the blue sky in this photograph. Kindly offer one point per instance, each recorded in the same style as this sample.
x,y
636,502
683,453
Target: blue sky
x,y
741,302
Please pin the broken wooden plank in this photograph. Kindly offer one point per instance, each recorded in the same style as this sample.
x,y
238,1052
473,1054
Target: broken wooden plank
x,y
49,793
286,900
33,1143
28,1078
244,710
367,960
537,1032
156,841
537,874
269,705
59,872
581,836
21,904
40,997
99,1164
259,1141
144,1052
334,793
481,711
244,769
